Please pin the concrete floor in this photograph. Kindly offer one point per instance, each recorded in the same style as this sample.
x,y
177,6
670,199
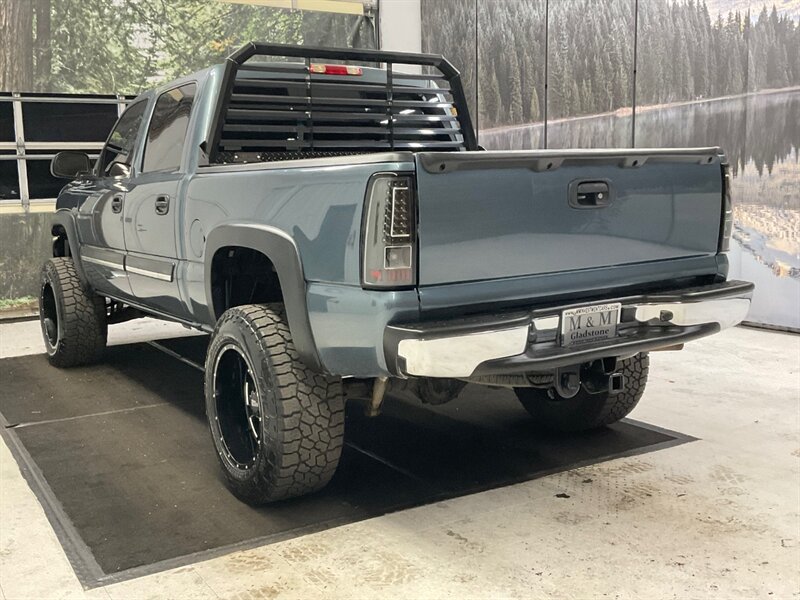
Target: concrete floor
x,y
719,517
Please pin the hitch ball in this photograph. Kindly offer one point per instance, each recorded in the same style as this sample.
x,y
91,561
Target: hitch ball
x,y
568,381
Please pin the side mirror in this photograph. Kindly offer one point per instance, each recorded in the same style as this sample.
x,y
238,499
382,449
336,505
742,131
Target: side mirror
x,y
118,169
69,164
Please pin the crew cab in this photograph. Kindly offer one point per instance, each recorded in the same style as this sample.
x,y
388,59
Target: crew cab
x,y
329,219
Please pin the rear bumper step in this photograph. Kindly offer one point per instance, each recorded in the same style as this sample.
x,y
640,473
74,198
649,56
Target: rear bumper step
x,y
529,341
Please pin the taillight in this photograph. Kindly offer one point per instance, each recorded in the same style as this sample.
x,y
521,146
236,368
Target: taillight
x,y
726,227
390,232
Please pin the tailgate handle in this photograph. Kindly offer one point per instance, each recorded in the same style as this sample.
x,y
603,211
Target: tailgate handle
x,y
589,194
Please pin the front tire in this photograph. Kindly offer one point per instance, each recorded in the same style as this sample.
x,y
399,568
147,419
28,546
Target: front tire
x,y
73,318
277,426
586,411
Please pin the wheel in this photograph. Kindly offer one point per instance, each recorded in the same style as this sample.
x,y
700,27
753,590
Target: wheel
x,y
277,426
586,411
73,318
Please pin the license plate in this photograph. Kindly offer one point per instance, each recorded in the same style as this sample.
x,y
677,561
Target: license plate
x,y
589,324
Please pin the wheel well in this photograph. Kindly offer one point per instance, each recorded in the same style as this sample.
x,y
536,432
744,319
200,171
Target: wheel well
x,y
60,241
242,276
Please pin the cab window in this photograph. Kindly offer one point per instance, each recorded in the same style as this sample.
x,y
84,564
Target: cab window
x,y
121,142
167,131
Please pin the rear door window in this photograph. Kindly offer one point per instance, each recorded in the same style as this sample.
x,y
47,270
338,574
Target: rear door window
x,y
167,131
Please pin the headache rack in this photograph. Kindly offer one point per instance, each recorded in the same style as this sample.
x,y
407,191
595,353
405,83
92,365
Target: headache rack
x,y
269,111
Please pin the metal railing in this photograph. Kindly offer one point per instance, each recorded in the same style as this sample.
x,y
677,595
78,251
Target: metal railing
x,y
23,150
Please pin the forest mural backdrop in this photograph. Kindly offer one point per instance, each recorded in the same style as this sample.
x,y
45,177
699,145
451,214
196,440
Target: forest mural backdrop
x,y
657,73
125,46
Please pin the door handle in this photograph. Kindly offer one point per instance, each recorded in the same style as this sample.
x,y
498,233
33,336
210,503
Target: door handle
x,y
116,204
162,205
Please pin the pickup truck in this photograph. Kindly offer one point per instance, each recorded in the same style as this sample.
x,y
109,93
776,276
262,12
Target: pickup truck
x,y
329,219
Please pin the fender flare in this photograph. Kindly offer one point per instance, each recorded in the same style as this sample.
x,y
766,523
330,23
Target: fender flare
x,y
64,217
281,250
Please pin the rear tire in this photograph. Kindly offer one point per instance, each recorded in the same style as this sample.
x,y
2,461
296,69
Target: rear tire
x,y
586,411
73,318
277,426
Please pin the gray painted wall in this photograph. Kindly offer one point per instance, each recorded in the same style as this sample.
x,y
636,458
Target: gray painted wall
x,y
25,243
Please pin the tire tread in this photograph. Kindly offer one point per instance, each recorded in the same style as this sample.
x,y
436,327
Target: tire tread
x,y
310,407
82,321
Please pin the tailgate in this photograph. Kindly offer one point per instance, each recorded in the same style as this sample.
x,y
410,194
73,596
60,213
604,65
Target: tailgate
x,y
495,215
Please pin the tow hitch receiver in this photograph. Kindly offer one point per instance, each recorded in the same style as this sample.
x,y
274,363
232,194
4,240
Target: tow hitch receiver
x,y
616,383
596,377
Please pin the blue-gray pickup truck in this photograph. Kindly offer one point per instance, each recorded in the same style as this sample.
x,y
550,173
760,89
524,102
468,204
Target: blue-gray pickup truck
x,y
329,219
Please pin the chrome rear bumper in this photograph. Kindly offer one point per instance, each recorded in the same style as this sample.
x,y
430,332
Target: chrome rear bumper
x,y
529,341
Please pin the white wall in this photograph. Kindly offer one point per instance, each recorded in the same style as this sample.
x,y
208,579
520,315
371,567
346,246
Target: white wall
x,y
400,24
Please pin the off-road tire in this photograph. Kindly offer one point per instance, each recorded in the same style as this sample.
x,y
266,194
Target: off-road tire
x,y
586,411
301,411
79,332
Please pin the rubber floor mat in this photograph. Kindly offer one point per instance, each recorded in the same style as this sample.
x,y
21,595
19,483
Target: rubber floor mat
x,y
120,456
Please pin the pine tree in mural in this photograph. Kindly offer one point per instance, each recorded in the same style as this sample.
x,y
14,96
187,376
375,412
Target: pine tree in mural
x,y
490,100
515,90
534,109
